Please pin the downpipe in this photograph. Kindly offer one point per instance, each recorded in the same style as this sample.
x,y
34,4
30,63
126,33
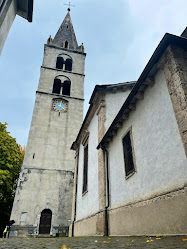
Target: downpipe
x,y
107,193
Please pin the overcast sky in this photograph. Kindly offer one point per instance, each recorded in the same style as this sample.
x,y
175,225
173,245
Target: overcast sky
x,y
119,38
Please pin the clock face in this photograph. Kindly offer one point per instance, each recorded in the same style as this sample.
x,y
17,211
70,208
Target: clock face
x,y
60,105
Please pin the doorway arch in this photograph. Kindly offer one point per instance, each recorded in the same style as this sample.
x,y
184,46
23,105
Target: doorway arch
x,y
45,221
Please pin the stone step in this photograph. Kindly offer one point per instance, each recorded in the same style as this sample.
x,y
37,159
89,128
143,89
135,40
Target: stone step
x,y
44,236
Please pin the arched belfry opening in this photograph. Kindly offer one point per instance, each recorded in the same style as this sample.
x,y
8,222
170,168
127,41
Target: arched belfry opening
x,y
62,85
45,221
64,62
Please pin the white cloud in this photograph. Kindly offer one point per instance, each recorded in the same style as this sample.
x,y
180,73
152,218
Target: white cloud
x,y
160,15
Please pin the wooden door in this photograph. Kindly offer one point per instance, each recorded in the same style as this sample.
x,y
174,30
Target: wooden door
x,y
45,222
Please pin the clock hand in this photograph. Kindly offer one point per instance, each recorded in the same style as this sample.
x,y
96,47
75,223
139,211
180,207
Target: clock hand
x,y
60,106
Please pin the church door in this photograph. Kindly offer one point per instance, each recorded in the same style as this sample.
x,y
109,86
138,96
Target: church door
x,y
45,222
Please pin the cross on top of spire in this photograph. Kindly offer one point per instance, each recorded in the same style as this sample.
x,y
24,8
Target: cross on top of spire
x,y
69,4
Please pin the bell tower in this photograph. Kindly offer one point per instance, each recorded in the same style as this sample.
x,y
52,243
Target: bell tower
x,y
42,204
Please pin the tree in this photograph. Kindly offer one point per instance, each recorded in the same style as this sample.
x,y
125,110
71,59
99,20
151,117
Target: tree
x,y
11,159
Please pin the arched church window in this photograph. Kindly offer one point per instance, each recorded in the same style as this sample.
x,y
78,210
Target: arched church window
x,y
66,86
66,44
59,63
57,86
68,65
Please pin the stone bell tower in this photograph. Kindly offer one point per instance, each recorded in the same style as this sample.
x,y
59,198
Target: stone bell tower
x,y
43,198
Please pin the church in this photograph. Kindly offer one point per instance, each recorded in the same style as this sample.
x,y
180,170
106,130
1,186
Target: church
x,y
120,171
131,166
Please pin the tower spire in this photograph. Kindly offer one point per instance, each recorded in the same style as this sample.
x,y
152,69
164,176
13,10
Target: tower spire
x,y
65,36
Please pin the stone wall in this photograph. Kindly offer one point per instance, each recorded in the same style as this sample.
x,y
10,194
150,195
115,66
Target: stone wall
x,y
164,214
92,225
51,134
43,189
174,64
74,199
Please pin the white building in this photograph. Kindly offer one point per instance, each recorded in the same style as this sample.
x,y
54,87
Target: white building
x,y
8,11
131,166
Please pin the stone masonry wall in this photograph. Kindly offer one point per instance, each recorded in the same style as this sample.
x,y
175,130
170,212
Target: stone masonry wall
x,y
101,167
73,215
101,157
174,64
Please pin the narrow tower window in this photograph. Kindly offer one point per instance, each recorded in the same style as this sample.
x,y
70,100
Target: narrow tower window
x,y
57,86
66,44
59,63
66,87
68,65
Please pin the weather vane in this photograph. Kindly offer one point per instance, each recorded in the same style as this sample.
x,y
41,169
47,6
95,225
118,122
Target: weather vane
x,y
69,4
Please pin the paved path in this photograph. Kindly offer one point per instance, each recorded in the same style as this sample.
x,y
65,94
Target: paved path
x,y
177,242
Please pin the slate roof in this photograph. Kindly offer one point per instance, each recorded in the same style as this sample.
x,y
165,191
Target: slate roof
x,y
66,33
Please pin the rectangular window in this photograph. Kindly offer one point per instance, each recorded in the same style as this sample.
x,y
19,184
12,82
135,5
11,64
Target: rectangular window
x,y
85,172
128,154
23,217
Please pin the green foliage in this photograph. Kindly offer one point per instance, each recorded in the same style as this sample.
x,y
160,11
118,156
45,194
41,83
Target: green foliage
x,y
11,159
